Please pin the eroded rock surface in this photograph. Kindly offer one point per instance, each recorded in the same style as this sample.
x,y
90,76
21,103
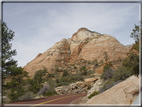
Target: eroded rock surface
x,y
84,44
122,93
74,88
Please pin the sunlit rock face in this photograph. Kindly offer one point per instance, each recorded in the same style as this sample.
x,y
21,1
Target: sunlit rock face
x,y
84,33
84,44
122,93
96,48
56,55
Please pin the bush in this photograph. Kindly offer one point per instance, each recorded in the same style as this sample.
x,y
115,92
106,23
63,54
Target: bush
x,y
122,73
75,67
96,62
27,96
89,62
83,70
35,84
50,92
93,94
132,63
89,86
69,79
106,67
51,75
107,74
90,72
65,73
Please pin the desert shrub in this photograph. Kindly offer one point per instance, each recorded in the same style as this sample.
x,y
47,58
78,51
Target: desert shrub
x,y
62,83
75,67
132,63
35,84
136,47
57,80
107,74
28,95
130,66
69,79
89,86
83,70
65,73
122,73
90,72
50,92
89,62
106,56
50,75
106,67
96,62
45,88
93,94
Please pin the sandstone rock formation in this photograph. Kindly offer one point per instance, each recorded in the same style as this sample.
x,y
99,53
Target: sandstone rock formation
x,y
122,93
106,43
74,88
84,44
56,55
95,87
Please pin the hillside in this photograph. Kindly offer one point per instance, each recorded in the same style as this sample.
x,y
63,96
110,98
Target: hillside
x,y
84,45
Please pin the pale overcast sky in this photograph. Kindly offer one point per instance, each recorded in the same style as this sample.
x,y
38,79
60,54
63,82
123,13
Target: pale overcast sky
x,y
38,26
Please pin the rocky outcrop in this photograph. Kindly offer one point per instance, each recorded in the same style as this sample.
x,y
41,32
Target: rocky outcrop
x,y
75,53
96,87
122,93
96,47
84,33
58,54
84,44
74,88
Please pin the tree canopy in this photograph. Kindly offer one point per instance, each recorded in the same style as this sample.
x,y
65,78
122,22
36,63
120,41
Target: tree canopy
x,y
7,52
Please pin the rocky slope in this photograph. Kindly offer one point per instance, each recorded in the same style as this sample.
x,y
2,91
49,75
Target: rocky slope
x,y
122,93
83,45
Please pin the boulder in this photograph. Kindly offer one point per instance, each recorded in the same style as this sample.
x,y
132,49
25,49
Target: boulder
x,y
122,93
73,88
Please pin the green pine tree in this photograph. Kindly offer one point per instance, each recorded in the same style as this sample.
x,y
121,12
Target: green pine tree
x,y
35,84
7,52
16,83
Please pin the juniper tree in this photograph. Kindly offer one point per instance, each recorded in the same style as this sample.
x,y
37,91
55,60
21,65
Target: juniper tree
x,y
7,52
9,66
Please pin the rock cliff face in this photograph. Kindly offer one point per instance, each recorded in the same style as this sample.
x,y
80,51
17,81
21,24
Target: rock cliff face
x,y
56,55
122,93
84,44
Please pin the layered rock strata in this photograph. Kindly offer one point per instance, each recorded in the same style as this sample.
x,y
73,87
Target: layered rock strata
x,y
84,44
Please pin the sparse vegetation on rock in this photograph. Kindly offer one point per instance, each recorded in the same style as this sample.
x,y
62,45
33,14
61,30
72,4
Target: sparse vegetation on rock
x,y
93,94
